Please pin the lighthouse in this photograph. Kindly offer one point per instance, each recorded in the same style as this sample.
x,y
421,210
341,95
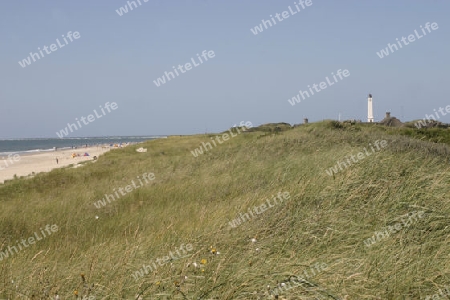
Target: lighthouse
x,y
369,109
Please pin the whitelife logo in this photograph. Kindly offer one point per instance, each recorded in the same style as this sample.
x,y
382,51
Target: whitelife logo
x,y
124,9
411,38
128,189
65,132
263,207
27,61
441,293
334,170
323,85
300,280
162,80
384,233
31,240
419,124
284,15
162,261
15,157
198,151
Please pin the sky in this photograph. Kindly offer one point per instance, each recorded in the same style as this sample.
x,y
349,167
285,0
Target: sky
x,y
250,77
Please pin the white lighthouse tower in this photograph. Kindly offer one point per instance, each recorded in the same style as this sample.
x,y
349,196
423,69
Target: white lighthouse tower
x,y
369,109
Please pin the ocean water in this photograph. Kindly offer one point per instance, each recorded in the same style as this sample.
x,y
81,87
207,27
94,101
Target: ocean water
x,y
41,145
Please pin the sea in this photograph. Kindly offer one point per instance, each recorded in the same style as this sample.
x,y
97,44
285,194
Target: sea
x,y
36,145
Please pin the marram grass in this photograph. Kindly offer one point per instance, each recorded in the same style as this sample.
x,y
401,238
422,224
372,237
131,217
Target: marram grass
x,y
326,220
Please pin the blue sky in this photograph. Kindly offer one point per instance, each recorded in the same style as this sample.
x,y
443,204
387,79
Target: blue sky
x,y
251,77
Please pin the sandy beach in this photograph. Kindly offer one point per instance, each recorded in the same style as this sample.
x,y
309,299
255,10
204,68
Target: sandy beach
x,y
25,164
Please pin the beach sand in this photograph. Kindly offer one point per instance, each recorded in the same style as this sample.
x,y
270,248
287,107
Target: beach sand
x,y
45,161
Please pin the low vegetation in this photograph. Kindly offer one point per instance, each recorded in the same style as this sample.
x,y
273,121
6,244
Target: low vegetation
x,y
325,222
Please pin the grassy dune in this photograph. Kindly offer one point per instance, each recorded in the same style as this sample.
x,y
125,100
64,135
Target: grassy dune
x,y
318,232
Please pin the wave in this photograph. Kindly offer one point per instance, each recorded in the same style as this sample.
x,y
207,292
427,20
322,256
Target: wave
x,y
29,151
36,145
87,138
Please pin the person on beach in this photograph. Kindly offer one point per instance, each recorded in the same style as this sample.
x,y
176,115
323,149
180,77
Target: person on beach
x,y
56,160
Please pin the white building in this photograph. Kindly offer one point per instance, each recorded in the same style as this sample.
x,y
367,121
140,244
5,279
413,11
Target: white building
x,y
369,109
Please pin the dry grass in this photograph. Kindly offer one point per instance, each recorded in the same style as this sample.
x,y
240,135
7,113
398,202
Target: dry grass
x,y
326,220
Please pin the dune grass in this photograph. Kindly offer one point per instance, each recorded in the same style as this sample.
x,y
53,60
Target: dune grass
x,y
326,220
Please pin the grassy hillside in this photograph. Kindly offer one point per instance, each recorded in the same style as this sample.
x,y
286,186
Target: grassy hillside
x,y
311,245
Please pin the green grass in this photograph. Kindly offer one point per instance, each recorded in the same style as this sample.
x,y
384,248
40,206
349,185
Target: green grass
x,y
191,201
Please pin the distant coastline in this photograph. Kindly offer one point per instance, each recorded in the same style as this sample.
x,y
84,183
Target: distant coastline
x,y
28,146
